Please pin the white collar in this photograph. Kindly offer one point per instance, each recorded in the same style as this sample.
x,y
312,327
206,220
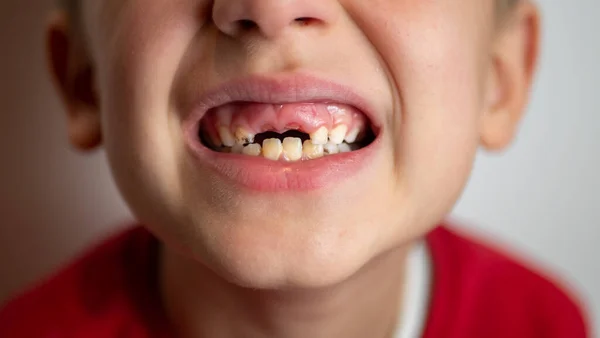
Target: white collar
x,y
416,293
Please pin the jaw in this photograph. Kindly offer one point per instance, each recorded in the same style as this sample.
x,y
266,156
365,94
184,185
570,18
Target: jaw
x,y
307,238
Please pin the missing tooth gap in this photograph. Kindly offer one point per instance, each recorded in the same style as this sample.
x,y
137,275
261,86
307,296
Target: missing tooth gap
x,y
259,138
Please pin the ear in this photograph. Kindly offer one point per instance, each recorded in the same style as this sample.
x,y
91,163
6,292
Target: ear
x,y
514,57
73,76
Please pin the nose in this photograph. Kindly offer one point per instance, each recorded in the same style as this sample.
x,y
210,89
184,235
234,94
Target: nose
x,y
271,18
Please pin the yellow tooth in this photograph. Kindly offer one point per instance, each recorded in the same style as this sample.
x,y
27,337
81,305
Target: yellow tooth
x,y
242,136
319,136
252,149
331,148
344,148
237,149
352,135
337,134
272,149
312,151
226,136
292,149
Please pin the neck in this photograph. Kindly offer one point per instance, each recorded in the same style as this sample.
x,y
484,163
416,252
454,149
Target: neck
x,y
201,304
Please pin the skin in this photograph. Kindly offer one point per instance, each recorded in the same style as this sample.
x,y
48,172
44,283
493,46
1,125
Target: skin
x,y
445,77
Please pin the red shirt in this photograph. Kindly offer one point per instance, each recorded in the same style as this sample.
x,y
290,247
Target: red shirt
x,y
111,291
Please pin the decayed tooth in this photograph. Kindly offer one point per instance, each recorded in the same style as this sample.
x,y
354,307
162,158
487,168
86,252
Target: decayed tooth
x,y
344,148
337,134
331,148
312,151
320,136
242,136
237,149
292,149
272,149
352,135
226,136
252,149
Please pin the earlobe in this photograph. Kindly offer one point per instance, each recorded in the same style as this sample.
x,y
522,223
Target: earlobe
x,y
511,69
73,76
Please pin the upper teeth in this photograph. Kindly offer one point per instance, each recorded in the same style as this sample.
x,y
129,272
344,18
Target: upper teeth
x,y
242,136
319,136
226,136
322,142
337,134
352,135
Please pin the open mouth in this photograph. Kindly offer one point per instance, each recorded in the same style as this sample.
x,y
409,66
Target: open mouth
x,y
290,132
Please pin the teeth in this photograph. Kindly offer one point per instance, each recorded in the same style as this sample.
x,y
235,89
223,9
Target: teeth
x,y
312,151
331,148
214,139
226,136
319,136
237,149
338,134
344,148
352,135
252,149
242,136
272,149
292,149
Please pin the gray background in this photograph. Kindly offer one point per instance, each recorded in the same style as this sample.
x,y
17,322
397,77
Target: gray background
x,y
541,196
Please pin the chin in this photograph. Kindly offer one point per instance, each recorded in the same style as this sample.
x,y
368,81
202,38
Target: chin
x,y
281,252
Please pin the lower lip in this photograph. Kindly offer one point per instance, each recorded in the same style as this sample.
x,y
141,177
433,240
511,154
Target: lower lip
x,y
260,174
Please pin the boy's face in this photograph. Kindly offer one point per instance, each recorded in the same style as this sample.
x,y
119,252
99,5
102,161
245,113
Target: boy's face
x,y
424,76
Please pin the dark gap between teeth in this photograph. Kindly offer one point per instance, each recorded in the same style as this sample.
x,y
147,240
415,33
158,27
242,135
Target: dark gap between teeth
x,y
259,138
368,136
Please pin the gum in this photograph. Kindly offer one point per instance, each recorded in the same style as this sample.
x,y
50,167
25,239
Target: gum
x,y
257,118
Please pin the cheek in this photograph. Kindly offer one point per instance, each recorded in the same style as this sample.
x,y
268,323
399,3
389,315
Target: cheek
x,y
141,134
434,54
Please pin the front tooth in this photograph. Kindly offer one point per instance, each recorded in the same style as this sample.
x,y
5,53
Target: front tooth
x,y
242,136
352,135
226,136
312,151
331,148
337,134
252,149
319,136
292,149
344,148
272,149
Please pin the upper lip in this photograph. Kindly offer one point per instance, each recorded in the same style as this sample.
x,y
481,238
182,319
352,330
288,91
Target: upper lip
x,y
281,89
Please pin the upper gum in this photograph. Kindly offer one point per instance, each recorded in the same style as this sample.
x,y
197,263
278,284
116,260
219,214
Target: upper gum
x,y
255,118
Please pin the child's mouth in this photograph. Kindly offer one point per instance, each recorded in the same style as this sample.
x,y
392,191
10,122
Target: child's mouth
x,y
285,132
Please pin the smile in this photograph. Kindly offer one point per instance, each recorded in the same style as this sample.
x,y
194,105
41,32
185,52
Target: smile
x,y
286,133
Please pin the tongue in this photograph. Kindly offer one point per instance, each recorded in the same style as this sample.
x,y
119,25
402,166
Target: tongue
x,y
306,117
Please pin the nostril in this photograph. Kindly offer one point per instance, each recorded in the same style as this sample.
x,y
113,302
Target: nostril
x,y
246,24
305,21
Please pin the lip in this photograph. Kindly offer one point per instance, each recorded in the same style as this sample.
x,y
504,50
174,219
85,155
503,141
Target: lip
x,y
257,173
